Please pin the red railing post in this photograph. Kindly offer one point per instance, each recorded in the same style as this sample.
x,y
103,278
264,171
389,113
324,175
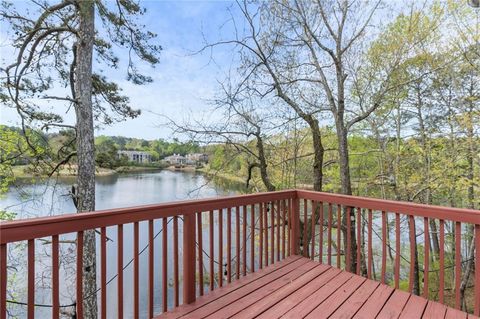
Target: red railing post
x,y
189,258
3,281
295,226
476,308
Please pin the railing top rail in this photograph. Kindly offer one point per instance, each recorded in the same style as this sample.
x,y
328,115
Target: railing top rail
x,y
25,229
439,212
17,230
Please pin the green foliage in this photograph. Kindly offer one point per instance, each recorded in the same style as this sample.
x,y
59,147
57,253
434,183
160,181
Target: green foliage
x,y
106,153
4,215
14,150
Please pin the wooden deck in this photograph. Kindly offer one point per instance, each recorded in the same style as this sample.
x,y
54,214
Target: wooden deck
x,y
300,288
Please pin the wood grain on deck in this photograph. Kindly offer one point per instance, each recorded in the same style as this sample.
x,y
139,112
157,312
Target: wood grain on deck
x,y
300,288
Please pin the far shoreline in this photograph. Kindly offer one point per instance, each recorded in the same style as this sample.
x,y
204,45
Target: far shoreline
x,y
20,173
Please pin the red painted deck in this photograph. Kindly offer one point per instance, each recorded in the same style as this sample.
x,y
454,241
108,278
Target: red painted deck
x,y
300,288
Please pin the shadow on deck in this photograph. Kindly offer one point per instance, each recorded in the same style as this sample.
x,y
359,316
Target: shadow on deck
x,y
298,287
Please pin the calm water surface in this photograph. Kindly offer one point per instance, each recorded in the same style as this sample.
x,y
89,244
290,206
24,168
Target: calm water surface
x,y
51,198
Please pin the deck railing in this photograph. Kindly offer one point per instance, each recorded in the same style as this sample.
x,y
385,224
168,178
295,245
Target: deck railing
x,y
412,227
193,234
193,247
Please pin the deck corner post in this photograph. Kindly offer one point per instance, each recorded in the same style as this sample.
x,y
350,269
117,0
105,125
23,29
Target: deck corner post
x,y
189,245
295,226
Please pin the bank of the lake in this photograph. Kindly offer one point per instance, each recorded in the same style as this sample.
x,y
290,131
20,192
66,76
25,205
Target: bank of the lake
x,y
216,174
23,171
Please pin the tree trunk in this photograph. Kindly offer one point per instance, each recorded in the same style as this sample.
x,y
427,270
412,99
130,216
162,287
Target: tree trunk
x,y
317,180
427,174
346,188
85,194
318,156
344,159
470,196
263,165
416,272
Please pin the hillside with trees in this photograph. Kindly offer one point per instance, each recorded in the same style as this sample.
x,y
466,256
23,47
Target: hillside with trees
x,y
16,153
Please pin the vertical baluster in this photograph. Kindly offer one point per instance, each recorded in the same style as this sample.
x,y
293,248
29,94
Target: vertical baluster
x,y
79,279
103,271
442,263
290,225
294,234
237,242
272,232
476,308
348,255
120,271
200,252
175,262
220,247
370,250
426,257
305,208
31,279
260,246
411,221
359,239
279,203
266,211
164,264
3,281
244,235
55,279
136,305
397,250
229,244
458,262
212,252
151,274
252,238
314,218
329,234
320,242
339,235
384,245
189,288
284,222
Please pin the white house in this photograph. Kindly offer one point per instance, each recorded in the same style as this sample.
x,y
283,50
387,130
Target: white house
x,y
136,156
176,159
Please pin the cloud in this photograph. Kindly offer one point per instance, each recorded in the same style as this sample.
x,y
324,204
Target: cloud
x,y
183,83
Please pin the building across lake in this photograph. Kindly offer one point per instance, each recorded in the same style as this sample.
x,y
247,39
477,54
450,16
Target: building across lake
x,y
175,159
136,156
189,159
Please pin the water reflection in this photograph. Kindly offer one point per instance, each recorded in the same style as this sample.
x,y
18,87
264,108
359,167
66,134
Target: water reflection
x,y
51,197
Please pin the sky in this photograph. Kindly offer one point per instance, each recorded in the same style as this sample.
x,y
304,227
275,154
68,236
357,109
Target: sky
x,y
184,82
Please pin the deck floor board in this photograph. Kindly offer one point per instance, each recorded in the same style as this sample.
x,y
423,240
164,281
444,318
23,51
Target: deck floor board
x,y
300,288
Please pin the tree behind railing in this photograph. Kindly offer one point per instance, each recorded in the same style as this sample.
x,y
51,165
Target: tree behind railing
x,y
405,261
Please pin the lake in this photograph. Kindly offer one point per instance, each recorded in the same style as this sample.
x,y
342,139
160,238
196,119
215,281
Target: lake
x,y
51,198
